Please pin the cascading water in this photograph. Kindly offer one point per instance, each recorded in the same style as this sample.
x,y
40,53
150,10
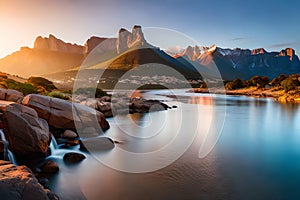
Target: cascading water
x,y
5,150
8,155
53,145
11,158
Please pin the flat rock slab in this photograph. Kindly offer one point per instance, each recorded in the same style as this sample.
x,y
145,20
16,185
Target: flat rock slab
x,y
64,114
98,144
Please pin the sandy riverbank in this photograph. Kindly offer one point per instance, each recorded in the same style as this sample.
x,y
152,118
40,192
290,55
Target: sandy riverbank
x,y
279,95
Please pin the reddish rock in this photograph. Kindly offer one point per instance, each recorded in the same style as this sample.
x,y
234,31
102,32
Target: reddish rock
x,y
64,114
287,52
258,51
73,157
19,183
28,135
11,95
98,144
68,134
54,44
50,167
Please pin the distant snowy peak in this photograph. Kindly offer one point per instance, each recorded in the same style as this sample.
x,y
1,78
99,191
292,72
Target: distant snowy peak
x,y
194,53
259,51
234,52
191,52
210,49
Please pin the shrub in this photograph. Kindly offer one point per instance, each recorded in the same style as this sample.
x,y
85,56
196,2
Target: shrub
x,y
290,83
203,85
257,81
276,81
25,88
235,84
59,95
39,81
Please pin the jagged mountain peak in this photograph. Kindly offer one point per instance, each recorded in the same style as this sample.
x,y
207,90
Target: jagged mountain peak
x,y
210,49
131,49
127,40
191,52
288,52
123,30
258,51
248,62
52,43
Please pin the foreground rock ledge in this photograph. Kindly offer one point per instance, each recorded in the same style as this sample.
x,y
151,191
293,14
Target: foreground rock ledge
x,y
64,114
19,183
27,134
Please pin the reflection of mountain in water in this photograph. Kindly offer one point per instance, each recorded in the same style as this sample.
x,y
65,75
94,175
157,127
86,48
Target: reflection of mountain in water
x,y
202,100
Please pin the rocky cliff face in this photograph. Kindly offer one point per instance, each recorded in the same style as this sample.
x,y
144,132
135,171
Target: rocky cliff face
x,y
191,52
107,44
258,51
244,61
53,44
127,40
288,52
51,54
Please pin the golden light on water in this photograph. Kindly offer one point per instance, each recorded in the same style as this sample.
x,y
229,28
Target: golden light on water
x,y
201,100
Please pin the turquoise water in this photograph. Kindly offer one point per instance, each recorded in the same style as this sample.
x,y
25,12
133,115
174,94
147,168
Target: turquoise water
x,y
255,154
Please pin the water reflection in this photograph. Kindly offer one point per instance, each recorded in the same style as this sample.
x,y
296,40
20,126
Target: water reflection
x,y
256,157
202,100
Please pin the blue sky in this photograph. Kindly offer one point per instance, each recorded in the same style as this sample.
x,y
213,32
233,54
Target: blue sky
x,y
227,23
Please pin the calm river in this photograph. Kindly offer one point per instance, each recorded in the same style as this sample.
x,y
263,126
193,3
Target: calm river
x,y
209,147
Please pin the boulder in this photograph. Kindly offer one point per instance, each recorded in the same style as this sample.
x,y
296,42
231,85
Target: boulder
x,y
88,132
143,105
105,108
106,98
90,102
68,134
70,143
27,134
3,155
11,95
98,144
64,114
2,146
19,183
73,157
50,167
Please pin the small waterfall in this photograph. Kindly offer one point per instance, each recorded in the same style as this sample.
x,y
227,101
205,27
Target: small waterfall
x,y
53,144
8,155
11,158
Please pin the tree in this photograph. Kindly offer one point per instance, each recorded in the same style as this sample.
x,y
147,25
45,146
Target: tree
x,y
276,81
235,84
290,83
258,81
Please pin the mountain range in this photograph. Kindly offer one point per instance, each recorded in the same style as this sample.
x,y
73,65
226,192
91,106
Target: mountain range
x,y
130,49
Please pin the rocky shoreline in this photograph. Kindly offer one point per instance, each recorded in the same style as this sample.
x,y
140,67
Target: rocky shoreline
x,y
279,95
31,122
